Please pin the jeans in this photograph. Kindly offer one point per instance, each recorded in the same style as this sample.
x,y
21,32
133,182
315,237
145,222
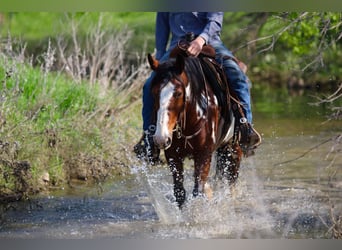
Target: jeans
x,y
238,80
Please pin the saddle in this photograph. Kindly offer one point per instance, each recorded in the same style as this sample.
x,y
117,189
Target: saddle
x,y
216,76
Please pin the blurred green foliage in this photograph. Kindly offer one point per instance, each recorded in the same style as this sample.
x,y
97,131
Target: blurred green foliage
x,y
289,41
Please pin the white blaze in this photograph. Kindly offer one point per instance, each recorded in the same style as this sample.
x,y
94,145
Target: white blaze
x,y
162,132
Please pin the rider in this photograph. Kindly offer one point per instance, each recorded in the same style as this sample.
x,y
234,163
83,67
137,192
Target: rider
x,y
206,27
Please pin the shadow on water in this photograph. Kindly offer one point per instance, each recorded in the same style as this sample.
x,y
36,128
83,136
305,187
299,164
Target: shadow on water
x,y
287,190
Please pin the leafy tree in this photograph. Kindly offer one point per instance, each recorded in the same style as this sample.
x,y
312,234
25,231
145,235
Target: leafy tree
x,y
304,40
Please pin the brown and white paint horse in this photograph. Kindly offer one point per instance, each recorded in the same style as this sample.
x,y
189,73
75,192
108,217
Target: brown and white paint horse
x,y
190,123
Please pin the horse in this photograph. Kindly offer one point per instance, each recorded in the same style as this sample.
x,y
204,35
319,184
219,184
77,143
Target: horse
x,y
193,118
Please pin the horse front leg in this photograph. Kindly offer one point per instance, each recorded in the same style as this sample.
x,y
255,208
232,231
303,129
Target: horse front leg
x,y
201,173
176,167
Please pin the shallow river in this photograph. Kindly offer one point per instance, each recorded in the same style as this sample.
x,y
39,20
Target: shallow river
x,y
291,188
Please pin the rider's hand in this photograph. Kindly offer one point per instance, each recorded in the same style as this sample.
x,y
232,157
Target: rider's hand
x,y
195,46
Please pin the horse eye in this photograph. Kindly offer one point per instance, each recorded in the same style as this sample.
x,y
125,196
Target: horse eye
x,y
177,94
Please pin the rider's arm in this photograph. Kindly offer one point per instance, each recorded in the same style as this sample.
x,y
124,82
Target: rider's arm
x,y
211,29
213,26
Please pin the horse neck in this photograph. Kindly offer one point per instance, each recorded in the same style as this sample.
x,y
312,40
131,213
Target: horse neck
x,y
194,113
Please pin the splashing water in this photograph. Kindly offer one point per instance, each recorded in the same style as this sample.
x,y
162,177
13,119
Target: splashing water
x,y
270,200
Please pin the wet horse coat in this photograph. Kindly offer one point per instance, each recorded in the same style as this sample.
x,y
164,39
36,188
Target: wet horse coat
x,y
193,118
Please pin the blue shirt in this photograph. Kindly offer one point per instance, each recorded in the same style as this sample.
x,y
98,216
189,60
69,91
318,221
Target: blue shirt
x,y
208,25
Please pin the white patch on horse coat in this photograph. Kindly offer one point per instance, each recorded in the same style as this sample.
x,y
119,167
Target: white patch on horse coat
x,y
213,122
215,101
213,134
230,132
199,111
188,92
162,132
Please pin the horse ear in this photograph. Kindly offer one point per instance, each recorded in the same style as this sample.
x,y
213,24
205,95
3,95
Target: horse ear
x,y
152,61
180,64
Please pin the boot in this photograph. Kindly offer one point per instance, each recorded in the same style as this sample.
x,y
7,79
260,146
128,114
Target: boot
x,y
252,141
146,150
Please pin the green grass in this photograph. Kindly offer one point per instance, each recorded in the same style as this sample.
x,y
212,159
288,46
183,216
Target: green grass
x,y
56,123
37,25
45,116
35,28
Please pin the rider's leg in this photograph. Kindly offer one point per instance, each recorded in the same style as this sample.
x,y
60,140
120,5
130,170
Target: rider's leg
x,y
149,150
240,83
148,103
145,148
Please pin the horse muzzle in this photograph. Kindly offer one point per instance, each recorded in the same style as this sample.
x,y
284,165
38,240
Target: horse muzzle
x,y
162,142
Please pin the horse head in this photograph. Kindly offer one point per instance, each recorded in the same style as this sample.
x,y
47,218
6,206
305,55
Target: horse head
x,y
169,91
